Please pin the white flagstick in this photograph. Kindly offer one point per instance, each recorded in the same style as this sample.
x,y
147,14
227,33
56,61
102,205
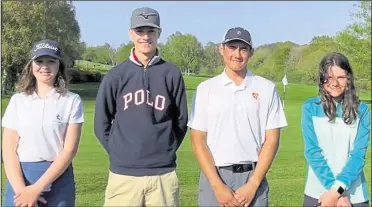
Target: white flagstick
x,y
285,82
284,97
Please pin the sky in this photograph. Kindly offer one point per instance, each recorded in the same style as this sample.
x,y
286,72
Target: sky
x,y
268,21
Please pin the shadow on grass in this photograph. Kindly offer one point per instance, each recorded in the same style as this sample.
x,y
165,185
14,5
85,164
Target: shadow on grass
x,y
367,101
205,76
87,91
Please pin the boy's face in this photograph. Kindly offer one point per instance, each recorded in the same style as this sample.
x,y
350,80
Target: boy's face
x,y
145,39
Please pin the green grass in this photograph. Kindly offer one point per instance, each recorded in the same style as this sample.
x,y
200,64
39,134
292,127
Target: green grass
x,y
91,66
286,176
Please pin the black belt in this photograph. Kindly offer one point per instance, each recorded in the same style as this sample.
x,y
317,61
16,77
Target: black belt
x,y
239,168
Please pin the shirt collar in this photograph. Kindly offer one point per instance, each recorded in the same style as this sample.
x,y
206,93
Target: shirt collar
x,y
135,60
53,94
226,80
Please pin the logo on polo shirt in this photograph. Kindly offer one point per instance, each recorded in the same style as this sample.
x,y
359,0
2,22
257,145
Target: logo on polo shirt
x,y
57,117
142,96
255,97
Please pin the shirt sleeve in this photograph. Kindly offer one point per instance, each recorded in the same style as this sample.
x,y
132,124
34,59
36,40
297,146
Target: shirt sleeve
x,y
181,108
356,161
105,109
198,116
9,120
276,117
77,111
313,153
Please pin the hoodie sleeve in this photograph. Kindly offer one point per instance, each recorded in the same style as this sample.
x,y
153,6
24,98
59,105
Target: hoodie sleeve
x,y
357,157
179,94
105,110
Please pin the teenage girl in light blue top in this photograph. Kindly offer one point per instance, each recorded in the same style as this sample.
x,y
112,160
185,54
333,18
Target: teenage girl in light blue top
x,y
336,133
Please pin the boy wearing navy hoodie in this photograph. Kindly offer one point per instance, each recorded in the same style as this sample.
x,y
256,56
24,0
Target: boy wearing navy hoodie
x,y
141,119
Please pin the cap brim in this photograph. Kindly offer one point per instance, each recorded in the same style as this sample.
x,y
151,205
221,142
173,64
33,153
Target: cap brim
x,y
45,54
229,40
145,25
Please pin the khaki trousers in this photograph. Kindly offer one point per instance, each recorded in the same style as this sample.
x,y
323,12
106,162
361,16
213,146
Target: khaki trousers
x,y
158,190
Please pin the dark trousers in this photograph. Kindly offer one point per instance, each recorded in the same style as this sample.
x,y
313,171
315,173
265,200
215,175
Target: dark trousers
x,y
60,193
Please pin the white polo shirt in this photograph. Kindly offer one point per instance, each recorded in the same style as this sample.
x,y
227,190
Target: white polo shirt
x,y
236,117
42,123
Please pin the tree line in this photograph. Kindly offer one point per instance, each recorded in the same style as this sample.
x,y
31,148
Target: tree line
x,y
24,21
299,62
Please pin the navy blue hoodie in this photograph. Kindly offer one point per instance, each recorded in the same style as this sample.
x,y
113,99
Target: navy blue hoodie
x,y
141,116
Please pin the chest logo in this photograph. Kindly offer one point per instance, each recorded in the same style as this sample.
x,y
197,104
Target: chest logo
x,y
256,97
143,97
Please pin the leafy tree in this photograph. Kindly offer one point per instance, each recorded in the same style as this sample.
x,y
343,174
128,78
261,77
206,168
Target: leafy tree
x,y
212,58
123,52
273,66
111,53
184,50
312,55
89,54
355,41
26,22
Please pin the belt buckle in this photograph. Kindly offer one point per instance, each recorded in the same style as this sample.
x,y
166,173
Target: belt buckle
x,y
238,168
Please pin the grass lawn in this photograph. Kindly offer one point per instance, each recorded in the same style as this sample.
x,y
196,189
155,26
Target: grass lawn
x,y
286,176
91,66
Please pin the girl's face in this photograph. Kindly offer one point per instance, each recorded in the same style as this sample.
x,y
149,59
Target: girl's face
x,y
45,69
336,82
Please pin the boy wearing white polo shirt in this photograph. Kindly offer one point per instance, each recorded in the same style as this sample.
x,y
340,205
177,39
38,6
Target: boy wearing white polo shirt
x,y
42,126
235,127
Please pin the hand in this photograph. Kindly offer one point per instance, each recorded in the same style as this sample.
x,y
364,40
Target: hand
x,y
245,194
329,198
28,196
343,202
225,196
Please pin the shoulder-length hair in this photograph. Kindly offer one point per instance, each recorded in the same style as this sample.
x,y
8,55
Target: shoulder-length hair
x,y
27,80
349,99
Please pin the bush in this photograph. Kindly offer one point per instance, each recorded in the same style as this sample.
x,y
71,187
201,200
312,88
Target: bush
x,y
80,76
295,76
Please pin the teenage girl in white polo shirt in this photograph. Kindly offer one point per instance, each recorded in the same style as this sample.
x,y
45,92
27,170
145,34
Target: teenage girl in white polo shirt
x,y
42,126
336,129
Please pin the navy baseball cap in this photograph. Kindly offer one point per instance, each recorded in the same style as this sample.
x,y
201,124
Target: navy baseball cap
x,y
143,17
238,33
46,47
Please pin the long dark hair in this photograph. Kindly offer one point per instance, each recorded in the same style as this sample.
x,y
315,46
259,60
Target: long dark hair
x,y
349,99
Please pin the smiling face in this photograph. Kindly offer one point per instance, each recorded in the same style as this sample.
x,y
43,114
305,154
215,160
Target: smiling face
x,y
336,81
145,39
235,55
45,69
